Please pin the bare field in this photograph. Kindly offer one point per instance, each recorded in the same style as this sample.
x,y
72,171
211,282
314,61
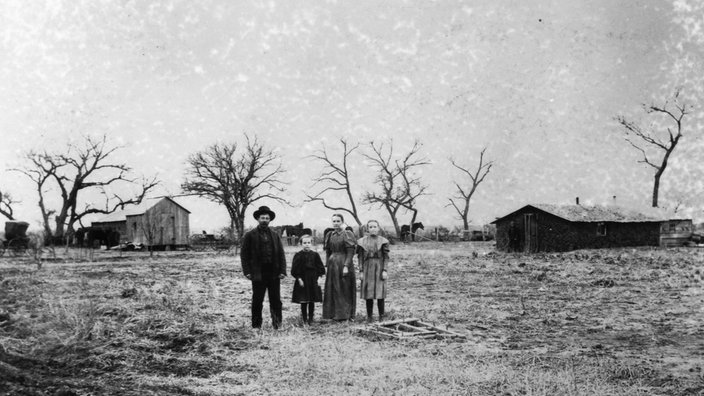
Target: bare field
x,y
606,322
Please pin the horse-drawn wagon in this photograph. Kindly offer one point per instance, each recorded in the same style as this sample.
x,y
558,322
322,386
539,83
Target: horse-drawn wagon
x,y
16,240
203,242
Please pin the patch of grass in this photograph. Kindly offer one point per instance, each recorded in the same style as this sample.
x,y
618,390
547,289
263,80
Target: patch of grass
x,y
607,322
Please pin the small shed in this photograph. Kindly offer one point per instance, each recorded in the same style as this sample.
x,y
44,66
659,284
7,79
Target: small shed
x,y
676,232
548,227
158,223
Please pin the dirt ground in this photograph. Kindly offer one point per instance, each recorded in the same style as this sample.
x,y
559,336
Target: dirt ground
x,y
625,321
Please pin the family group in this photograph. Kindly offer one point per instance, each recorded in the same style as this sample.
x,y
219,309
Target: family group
x,y
264,264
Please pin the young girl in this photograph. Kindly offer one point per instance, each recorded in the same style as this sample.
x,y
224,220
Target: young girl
x,y
373,254
306,268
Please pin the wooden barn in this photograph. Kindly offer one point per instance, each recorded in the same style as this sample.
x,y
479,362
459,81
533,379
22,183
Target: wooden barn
x,y
156,223
548,228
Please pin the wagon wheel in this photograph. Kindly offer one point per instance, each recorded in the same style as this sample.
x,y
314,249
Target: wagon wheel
x,y
17,247
2,248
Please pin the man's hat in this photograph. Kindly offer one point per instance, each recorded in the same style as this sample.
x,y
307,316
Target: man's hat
x,y
264,210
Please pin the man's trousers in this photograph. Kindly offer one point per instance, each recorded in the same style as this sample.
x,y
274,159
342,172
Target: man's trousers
x,y
272,287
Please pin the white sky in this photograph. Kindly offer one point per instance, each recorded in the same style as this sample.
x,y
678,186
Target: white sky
x,y
537,82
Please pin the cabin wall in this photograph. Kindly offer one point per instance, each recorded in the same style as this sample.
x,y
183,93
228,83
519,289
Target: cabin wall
x,y
166,222
557,234
563,235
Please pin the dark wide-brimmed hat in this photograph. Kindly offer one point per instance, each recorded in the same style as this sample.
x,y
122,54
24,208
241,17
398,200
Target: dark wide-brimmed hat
x,y
264,210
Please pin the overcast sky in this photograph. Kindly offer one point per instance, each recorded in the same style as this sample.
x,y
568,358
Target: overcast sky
x,y
538,83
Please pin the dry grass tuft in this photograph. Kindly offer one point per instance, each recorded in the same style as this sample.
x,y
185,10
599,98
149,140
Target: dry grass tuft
x,y
605,322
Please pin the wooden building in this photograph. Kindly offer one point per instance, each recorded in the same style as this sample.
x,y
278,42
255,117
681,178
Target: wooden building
x,y
676,232
156,223
547,228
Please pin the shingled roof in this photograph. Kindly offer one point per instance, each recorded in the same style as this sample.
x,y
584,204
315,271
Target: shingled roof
x,y
599,213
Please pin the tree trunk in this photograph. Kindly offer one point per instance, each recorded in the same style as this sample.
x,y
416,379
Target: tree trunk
x,y
465,214
413,221
392,214
465,224
397,228
59,230
656,188
360,228
45,217
237,219
661,170
240,227
233,230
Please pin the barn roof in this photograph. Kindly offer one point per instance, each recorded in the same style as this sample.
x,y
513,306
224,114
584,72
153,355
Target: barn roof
x,y
599,213
133,210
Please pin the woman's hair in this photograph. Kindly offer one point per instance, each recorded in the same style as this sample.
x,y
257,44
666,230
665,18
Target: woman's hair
x,y
373,221
339,215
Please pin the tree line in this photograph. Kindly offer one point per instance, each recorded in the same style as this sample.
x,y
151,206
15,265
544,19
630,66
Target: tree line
x,y
236,175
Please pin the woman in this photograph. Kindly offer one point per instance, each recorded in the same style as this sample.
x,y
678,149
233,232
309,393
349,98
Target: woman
x,y
339,302
373,253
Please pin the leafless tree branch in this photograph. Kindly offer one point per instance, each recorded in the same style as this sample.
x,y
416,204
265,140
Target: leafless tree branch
x,y
397,185
675,112
6,205
74,172
235,177
335,177
476,177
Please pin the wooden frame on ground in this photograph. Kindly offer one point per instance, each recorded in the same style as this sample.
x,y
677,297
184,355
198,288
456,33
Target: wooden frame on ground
x,y
410,328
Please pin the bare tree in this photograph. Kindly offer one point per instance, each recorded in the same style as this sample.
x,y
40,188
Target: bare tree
x,y
467,188
651,142
334,178
75,174
6,205
397,180
235,178
151,224
412,187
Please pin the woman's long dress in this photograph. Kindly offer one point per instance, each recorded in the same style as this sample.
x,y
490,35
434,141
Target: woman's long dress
x,y
373,253
339,302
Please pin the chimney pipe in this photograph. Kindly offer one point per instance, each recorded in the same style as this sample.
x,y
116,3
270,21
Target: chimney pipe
x,y
577,200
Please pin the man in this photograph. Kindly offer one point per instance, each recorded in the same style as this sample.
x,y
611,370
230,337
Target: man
x,y
264,263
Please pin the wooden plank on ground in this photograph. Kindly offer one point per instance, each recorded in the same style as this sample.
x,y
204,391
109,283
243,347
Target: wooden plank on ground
x,y
393,322
440,330
387,330
415,329
380,333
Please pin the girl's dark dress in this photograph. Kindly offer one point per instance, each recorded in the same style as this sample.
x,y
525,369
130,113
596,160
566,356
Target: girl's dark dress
x,y
308,266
